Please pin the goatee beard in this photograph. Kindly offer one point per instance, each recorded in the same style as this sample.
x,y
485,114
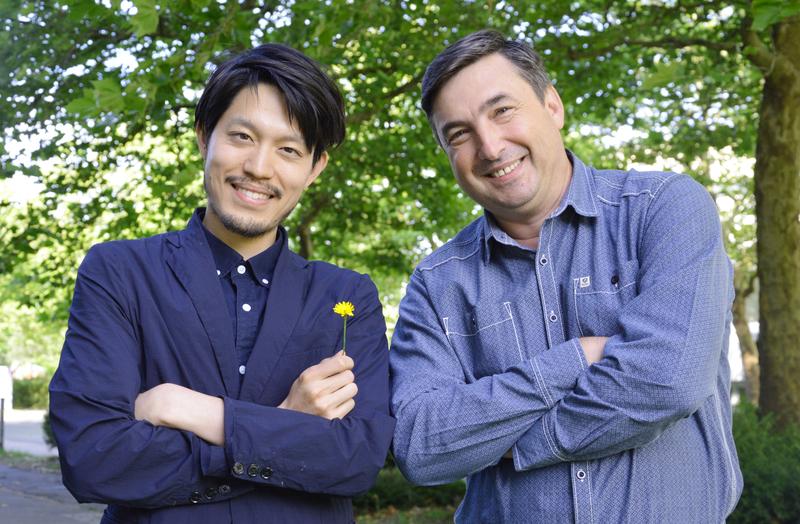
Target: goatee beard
x,y
242,226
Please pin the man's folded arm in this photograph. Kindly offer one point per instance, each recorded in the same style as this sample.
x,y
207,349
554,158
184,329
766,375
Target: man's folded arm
x,y
448,428
309,452
662,365
106,454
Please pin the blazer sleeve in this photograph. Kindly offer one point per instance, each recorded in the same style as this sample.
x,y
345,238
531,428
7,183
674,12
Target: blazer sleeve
x,y
281,447
106,454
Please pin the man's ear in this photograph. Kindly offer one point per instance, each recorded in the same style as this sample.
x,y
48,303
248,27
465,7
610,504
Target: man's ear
x,y
319,167
202,144
554,106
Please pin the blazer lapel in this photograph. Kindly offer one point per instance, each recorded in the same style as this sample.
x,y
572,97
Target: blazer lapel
x,y
190,260
284,306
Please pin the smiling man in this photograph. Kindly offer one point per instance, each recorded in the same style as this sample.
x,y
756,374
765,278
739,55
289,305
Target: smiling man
x,y
567,351
201,379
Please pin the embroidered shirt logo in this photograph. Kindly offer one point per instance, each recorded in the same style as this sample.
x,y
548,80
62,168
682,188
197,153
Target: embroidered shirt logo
x,y
585,282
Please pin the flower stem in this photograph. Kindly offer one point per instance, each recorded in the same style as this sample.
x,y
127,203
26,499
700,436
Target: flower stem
x,y
344,337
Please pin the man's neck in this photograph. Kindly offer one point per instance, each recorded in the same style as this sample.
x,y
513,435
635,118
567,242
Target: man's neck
x,y
248,247
526,229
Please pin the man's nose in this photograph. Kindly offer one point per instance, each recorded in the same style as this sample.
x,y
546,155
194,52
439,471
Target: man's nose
x,y
491,144
259,164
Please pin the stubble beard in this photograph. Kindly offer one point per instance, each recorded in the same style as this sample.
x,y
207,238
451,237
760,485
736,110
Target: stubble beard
x,y
247,227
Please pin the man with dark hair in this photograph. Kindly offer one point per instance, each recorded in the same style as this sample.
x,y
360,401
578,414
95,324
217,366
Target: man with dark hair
x,y
201,379
567,351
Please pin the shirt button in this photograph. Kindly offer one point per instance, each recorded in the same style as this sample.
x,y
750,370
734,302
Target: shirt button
x,y
266,472
211,493
264,281
219,272
543,261
241,269
581,475
615,280
238,468
246,307
252,470
242,369
224,489
195,498
553,316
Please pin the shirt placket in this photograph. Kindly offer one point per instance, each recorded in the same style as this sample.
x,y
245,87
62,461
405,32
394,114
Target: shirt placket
x,y
546,278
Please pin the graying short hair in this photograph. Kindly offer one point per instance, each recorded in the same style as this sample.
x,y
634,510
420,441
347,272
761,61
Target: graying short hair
x,y
472,48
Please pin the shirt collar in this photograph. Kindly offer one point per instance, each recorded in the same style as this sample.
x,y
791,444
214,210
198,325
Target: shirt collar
x,y
226,258
581,191
580,196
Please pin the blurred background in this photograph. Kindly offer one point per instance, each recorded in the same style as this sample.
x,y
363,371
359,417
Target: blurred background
x,y
96,113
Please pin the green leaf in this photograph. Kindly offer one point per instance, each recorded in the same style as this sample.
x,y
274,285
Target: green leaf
x,y
83,106
145,21
663,74
768,12
108,95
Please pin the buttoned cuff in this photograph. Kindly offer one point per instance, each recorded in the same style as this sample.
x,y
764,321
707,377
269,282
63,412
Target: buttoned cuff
x,y
556,370
556,373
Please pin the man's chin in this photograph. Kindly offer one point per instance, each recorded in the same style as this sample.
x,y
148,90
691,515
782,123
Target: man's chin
x,y
245,226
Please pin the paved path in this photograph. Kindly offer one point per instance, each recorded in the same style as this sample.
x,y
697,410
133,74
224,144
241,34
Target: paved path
x,y
23,432
33,497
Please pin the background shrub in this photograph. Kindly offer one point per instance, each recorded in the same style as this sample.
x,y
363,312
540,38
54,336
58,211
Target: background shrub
x,y
392,490
31,393
770,461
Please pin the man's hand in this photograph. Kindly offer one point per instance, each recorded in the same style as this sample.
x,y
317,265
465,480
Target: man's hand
x,y
174,406
325,389
593,348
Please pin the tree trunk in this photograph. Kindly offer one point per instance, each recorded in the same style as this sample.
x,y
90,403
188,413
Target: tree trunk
x,y
777,189
306,246
746,343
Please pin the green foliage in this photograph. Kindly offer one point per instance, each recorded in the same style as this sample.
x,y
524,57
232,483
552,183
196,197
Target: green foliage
x,y
770,462
31,393
768,12
47,431
392,490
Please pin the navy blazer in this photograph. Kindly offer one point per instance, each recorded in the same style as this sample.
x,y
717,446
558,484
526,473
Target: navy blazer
x,y
151,311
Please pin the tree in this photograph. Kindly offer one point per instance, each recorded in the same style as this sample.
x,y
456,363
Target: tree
x,y
109,88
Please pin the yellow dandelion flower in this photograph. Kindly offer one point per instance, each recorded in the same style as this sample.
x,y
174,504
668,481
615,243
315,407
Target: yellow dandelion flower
x,y
344,309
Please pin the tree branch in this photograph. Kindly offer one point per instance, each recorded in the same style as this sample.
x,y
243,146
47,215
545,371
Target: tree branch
x,y
362,116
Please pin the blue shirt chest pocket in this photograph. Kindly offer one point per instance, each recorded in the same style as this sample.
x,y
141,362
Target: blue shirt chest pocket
x,y
599,298
486,339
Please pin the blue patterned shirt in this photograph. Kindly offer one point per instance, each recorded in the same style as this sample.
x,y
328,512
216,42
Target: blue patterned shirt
x,y
485,358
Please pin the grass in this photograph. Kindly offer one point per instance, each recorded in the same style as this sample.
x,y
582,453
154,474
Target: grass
x,y
426,515
19,460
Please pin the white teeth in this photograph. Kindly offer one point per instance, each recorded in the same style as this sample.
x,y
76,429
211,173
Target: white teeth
x,y
506,170
254,195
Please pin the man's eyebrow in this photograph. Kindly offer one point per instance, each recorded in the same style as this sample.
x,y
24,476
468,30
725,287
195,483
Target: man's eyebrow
x,y
483,107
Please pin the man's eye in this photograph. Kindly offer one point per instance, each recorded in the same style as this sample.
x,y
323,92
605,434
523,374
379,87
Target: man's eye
x,y
292,151
241,136
455,136
502,110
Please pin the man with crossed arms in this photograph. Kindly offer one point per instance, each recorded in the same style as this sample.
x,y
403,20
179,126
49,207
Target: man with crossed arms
x,y
567,351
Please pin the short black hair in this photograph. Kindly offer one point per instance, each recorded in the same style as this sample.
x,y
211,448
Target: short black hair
x,y
312,98
472,48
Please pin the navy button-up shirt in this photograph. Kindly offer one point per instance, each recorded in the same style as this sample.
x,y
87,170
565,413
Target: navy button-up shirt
x,y
245,286
485,359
